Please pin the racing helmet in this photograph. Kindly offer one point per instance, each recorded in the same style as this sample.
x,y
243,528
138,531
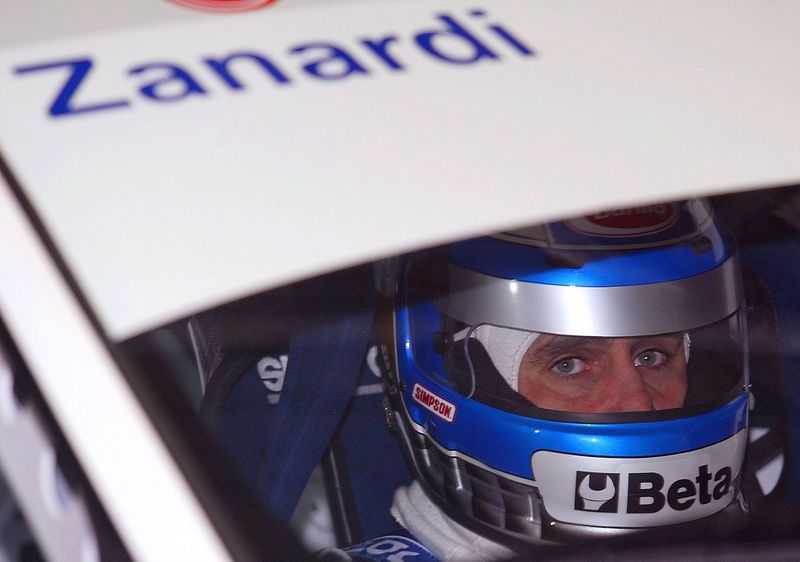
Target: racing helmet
x,y
576,380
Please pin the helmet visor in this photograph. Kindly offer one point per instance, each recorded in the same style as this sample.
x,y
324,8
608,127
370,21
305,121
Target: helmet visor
x,y
597,375
543,374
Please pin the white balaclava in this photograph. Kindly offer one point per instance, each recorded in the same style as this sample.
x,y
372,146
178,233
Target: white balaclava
x,y
506,348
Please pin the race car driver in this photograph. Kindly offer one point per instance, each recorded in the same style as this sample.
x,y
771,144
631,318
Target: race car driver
x,y
576,381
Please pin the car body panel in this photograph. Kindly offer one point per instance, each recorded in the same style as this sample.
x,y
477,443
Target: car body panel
x,y
105,425
154,172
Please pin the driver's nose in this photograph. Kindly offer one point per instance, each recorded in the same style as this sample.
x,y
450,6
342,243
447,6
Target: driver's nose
x,y
627,391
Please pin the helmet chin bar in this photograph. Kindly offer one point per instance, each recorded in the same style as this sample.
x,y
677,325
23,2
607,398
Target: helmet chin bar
x,y
478,498
510,509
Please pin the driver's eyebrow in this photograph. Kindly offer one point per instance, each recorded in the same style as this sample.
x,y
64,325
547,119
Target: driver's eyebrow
x,y
561,345
677,337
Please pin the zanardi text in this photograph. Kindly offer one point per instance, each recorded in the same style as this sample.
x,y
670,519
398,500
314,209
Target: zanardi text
x,y
451,40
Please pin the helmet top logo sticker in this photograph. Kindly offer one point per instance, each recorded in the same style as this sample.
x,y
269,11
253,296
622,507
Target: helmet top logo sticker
x,y
224,5
436,404
633,221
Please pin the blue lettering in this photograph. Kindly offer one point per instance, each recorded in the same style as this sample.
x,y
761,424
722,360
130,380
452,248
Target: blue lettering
x,y
63,103
506,35
178,83
338,61
220,66
448,40
454,30
380,48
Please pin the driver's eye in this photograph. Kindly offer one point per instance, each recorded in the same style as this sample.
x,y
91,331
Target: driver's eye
x,y
569,366
650,358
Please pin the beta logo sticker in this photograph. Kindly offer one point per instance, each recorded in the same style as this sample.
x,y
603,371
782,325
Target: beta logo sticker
x,y
224,5
635,492
596,491
633,221
436,404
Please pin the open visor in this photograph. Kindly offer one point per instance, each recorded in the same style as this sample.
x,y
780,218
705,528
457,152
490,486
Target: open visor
x,y
543,373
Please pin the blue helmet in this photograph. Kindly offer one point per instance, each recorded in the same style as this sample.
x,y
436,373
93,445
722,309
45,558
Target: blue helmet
x,y
584,378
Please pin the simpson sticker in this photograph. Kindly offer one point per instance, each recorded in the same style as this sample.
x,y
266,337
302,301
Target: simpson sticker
x,y
436,404
639,492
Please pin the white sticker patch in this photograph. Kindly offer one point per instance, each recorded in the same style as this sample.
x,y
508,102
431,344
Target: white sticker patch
x,y
436,404
639,492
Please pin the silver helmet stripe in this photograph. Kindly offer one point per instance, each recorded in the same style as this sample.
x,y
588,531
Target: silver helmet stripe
x,y
633,310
